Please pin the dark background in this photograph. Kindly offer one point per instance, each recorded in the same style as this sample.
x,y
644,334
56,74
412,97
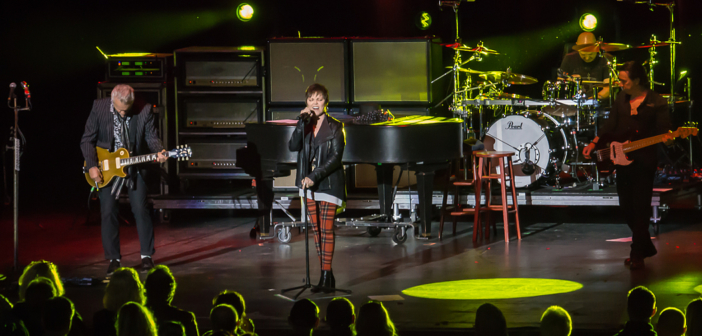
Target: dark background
x,y
52,47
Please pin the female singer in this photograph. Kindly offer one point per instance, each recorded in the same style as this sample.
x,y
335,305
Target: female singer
x,y
319,141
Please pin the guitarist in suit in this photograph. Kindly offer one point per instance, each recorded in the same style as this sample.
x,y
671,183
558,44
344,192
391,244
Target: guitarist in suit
x,y
637,113
121,122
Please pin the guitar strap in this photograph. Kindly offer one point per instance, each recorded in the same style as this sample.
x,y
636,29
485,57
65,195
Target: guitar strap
x,y
131,144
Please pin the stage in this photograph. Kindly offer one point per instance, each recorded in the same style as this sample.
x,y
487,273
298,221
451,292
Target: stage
x,y
210,250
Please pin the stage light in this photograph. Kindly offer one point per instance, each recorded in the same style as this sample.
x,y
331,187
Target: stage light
x,y
492,289
423,21
244,12
588,22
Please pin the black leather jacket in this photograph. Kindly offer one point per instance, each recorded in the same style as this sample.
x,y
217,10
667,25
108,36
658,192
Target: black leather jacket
x,y
329,176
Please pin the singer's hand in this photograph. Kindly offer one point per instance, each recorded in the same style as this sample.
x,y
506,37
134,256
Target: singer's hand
x,y
307,182
307,111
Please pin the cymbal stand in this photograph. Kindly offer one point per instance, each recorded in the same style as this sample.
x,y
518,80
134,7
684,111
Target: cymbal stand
x,y
673,44
652,59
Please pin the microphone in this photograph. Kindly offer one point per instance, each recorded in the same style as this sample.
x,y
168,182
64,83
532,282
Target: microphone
x,y
12,90
25,86
305,117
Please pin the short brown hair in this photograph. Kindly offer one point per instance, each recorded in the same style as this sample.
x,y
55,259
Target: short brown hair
x,y
636,70
317,88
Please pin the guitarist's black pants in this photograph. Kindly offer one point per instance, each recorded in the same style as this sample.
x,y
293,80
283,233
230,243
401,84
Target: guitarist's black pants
x,y
635,190
109,209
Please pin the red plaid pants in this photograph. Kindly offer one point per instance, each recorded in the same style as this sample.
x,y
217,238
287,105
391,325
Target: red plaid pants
x,y
322,218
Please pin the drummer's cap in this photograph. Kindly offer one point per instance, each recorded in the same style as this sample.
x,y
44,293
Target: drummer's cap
x,y
586,38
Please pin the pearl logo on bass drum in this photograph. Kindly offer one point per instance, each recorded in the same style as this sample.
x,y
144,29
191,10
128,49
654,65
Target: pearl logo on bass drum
x,y
511,125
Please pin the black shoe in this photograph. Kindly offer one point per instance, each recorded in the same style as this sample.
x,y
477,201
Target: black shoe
x,y
146,264
333,281
321,283
635,263
114,265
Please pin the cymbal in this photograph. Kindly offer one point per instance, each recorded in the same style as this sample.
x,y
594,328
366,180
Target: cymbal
x,y
596,47
470,71
595,83
662,44
512,78
512,96
478,49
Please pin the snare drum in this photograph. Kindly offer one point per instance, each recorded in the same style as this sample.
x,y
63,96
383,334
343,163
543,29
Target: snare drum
x,y
537,136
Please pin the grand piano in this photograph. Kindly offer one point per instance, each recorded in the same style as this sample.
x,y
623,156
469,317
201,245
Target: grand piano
x,y
424,144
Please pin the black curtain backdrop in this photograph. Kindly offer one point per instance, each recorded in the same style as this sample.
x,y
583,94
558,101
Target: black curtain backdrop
x,y
52,46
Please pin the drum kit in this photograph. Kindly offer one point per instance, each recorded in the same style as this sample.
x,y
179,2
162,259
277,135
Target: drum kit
x,y
545,134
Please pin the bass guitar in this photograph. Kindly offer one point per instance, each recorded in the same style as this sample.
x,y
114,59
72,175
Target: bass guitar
x,y
112,164
609,152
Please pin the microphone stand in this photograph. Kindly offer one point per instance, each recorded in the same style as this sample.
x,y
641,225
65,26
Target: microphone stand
x,y
307,284
15,193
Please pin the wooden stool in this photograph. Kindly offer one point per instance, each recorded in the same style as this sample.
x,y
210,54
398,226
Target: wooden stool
x,y
466,177
484,161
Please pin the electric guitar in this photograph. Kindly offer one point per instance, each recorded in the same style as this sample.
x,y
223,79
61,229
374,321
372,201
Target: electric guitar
x,y
607,151
112,164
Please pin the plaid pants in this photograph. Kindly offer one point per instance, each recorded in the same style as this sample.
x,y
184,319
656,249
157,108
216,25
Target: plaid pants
x,y
323,227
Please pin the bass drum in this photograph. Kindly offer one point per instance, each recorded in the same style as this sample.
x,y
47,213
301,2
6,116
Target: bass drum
x,y
536,137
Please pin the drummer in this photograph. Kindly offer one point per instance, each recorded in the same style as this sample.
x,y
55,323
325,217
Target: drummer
x,y
586,65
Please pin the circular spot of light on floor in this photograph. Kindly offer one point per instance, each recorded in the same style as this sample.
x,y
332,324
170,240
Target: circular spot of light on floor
x,y
698,289
491,289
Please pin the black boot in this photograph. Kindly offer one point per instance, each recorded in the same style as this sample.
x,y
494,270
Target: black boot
x,y
321,283
333,281
329,282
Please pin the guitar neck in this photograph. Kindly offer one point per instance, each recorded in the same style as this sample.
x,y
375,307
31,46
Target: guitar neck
x,y
632,146
141,159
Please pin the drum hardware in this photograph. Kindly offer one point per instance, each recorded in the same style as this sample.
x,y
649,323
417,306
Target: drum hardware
x,y
456,107
509,77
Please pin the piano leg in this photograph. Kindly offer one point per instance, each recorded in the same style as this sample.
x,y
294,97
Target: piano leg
x,y
383,174
425,191
264,191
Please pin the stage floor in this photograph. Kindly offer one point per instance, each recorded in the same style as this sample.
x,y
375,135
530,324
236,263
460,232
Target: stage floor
x,y
210,250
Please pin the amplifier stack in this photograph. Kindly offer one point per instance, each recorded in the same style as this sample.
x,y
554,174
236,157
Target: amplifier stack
x,y
218,89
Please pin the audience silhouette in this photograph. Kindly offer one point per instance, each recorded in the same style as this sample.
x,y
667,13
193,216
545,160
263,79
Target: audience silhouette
x,y
556,322
160,287
373,320
671,322
304,317
640,306
124,287
693,315
235,300
340,317
489,321
133,319
224,317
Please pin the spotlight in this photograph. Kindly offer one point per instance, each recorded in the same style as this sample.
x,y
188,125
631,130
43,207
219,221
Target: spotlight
x,y
588,22
423,21
244,12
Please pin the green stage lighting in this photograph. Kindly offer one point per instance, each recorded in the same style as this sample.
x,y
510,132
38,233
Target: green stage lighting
x,y
588,22
423,21
492,289
244,12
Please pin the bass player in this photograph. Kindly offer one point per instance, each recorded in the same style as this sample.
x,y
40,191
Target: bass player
x,y
637,113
